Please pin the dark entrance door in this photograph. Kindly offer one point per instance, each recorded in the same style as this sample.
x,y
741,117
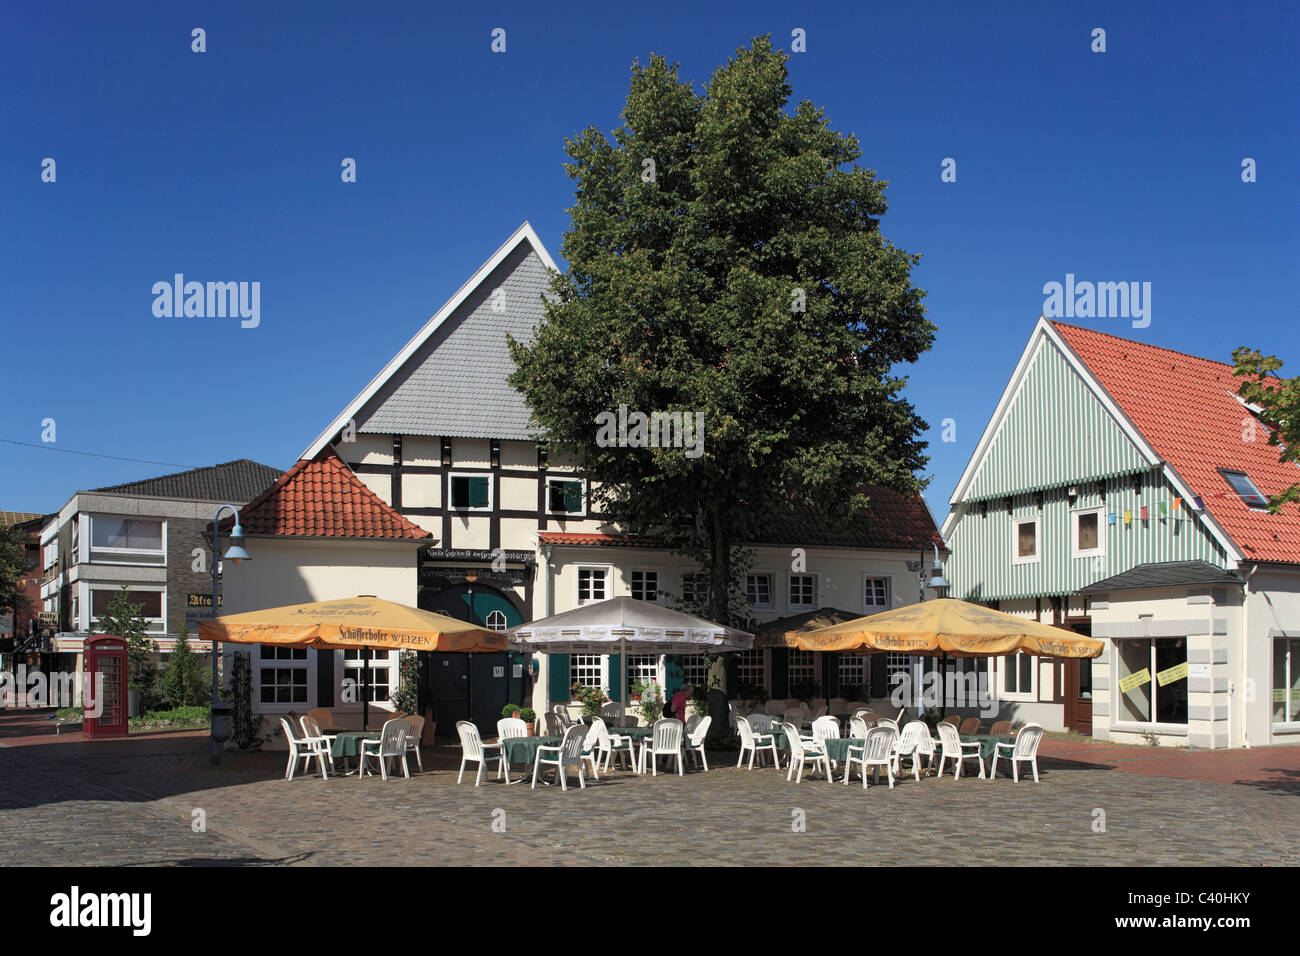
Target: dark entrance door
x,y
472,687
1078,684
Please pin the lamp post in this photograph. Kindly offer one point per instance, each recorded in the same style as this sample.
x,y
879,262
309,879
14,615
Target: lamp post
x,y
221,729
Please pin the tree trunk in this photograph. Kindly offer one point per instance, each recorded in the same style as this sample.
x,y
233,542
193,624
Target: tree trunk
x,y
720,571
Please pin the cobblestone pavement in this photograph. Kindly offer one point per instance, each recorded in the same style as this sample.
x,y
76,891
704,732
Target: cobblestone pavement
x,y
85,804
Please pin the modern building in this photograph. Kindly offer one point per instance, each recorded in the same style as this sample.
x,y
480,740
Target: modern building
x,y
148,536
1120,489
431,489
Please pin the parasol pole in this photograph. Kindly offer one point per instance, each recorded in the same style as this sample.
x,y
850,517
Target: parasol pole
x,y
365,688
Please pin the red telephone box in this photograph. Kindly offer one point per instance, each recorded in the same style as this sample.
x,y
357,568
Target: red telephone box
x,y
106,656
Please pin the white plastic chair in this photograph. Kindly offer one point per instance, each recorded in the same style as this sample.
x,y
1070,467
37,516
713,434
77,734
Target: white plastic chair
x,y
472,748
415,730
793,715
612,709
837,705
876,751
802,753
391,743
555,727
508,727
824,727
691,723
1023,750
858,728
304,749
910,744
602,742
695,741
311,729
665,741
952,748
566,756
761,723
753,742
821,710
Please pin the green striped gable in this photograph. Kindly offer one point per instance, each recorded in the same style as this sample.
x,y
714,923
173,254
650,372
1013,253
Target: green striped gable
x,y
1056,433
981,566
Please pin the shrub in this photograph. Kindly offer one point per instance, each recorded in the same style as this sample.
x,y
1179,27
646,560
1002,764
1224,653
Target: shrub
x,y
185,681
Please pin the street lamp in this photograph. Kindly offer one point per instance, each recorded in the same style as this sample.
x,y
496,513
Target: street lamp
x,y
221,729
936,573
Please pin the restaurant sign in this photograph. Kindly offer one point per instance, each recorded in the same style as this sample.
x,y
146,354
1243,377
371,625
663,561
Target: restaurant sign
x,y
510,577
478,554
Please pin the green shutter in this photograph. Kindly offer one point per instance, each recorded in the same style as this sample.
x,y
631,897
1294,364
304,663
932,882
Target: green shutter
x,y
558,690
478,492
672,675
615,680
573,496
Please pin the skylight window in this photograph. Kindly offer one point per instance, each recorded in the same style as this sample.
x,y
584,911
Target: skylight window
x,y
1245,488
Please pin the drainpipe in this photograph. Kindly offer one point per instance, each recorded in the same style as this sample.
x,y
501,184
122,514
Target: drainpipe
x,y
1245,679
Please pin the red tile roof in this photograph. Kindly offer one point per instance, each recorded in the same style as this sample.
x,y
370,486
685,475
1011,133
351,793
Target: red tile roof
x,y
321,497
890,522
1186,409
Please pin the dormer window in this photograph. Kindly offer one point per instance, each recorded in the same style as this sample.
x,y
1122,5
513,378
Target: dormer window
x,y
1244,488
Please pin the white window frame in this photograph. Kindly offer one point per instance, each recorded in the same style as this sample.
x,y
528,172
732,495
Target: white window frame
x,y
606,569
626,663
1030,695
497,613
860,662
659,576
469,509
546,495
889,592
817,591
694,574
379,661
103,555
157,625
602,666
1037,556
771,589
766,665
50,554
1290,665
682,660
1100,550
814,668
277,707
1123,724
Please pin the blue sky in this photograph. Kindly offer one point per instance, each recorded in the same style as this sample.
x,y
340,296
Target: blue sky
x,y
1115,166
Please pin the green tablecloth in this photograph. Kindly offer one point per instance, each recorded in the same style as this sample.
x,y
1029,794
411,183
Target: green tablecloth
x,y
524,749
348,742
837,748
636,733
987,742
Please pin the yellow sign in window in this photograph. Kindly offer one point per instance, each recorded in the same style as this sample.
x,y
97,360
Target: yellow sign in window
x,y
1139,679
1168,676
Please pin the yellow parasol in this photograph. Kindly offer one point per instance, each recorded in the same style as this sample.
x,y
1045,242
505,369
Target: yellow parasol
x,y
361,622
352,622
949,626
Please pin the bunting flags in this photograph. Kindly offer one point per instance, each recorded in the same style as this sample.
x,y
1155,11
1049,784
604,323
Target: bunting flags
x,y
1128,516
1144,512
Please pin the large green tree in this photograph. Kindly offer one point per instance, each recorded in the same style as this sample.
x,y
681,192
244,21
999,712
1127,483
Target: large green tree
x,y
726,260
1279,399
13,566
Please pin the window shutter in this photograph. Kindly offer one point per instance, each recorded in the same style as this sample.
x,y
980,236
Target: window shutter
x,y
478,492
615,676
573,496
558,690
879,680
672,675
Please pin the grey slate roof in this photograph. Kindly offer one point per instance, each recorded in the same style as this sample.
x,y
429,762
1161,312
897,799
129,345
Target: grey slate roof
x,y
455,383
1167,574
235,482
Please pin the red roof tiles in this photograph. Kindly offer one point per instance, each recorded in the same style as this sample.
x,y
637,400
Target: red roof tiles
x,y
1186,409
890,522
321,497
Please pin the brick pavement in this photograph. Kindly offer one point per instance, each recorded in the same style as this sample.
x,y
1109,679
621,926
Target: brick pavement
x,y
131,801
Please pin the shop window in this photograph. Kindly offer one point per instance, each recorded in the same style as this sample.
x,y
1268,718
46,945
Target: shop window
x,y
1156,683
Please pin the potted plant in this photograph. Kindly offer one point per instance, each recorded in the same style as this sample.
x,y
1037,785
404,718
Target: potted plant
x,y
638,688
651,706
699,701
510,710
591,699
529,716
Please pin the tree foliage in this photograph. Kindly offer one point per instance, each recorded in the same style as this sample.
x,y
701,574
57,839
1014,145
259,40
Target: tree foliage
x,y
1280,400
123,619
13,565
725,258
186,679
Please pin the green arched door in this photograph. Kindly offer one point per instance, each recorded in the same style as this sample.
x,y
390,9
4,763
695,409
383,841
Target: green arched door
x,y
473,687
